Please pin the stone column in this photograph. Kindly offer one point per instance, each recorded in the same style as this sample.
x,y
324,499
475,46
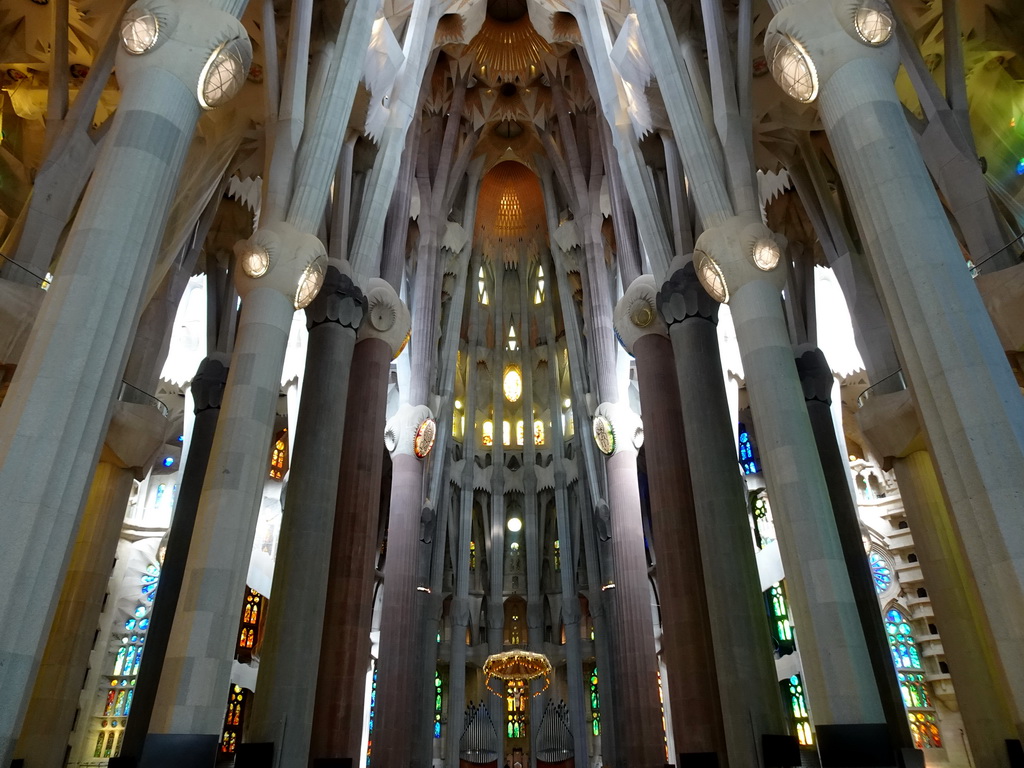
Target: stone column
x,y
58,406
738,263
742,646
686,642
280,271
283,709
207,393
891,425
134,435
816,379
947,344
340,696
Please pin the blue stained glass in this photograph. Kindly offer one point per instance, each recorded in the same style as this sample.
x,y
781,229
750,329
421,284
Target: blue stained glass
x,y
1020,167
130,624
880,572
437,730
143,625
141,611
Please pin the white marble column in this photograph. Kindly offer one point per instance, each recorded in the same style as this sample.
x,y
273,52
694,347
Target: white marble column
x,y
58,405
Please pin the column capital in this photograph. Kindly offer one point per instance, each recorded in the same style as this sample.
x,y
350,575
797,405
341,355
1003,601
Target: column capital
x,y
208,383
387,317
408,427
809,40
815,374
636,313
190,39
340,300
617,428
683,297
739,251
285,259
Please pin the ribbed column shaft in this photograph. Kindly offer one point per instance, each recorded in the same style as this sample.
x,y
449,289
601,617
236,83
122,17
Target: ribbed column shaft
x,y
639,738
283,710
197,671
947,345
686,642
51,710
400,669
743,653
58,405
207,392
345,649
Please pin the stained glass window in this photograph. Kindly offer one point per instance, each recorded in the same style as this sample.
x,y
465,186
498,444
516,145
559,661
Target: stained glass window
x,y
515,702
481,287
880,572
438,700
913,686
279,456
488,434
512,384
249,629
538,432
781,623
764,523
901,641
117,700
520,432
748,460
506,433
472,555
558,556
595,704
373,713
513,343
924,730
538,296
793,691
234,719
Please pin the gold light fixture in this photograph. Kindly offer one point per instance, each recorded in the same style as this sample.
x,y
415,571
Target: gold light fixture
x,y
517,665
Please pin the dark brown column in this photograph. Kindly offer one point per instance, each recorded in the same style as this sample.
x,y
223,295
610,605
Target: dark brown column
x,y
345,647
686,633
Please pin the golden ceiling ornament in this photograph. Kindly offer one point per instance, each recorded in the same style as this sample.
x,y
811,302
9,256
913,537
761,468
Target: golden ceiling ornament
x,y
517,665
510,225
508,49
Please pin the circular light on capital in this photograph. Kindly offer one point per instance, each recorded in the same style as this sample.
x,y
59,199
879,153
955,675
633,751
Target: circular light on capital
x,y
224,73
792,67
766,254
711,277
604,435
874,23
426,432
140,30
310,283
256,261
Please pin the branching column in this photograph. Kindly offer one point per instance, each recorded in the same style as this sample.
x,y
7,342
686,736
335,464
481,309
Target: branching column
x,y
345,650
971,408
686,640
58,405
743,652
738,263
283,709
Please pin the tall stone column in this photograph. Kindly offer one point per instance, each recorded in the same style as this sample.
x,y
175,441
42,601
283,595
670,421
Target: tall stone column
x,y
738,263
134,435
283,708
890,423
947,344
207,393
816,379
400,670
742,646
280,271
686,642
58,405
340,695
